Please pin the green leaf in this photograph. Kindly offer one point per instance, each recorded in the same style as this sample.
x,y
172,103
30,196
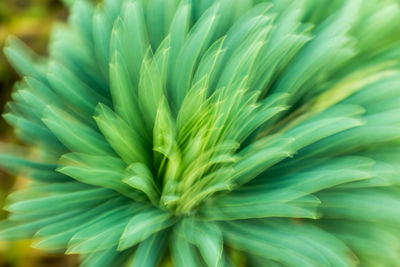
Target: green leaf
x,y
312,132
124,93
288,243
102,26
151,84
184,254
207,237
105,230
359,204
123,138
320,176
105,258
141,178
62,202
57,235
143,225
23,59
326,46
10,230
134,38
74,134
160,14
262,206
256,160
196,43
72,90
364,238
150,252
104,171
178,32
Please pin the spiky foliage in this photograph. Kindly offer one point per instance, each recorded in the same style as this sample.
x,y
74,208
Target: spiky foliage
x,y
220,131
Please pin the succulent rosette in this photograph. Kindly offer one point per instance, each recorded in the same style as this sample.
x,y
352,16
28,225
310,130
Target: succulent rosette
x,y
211,133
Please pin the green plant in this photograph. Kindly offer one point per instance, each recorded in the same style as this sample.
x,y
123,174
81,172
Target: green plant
x,y
222,132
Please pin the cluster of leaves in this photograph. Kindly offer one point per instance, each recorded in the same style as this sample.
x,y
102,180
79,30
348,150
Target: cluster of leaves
x,y
31,21
211,129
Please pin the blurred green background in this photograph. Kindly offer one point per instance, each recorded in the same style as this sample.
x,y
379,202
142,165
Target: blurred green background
x,y
31,21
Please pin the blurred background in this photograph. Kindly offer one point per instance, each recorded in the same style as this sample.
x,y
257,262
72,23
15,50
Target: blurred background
x,y
31,21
